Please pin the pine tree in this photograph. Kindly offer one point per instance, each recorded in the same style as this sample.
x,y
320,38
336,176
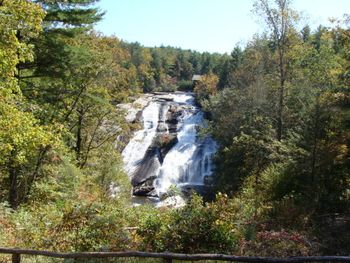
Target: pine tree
x,y
64,21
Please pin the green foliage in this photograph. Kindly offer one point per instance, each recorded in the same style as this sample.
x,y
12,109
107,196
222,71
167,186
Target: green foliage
x,y
74,227
72,211
185,85
20,136
194,229
295,180
5,224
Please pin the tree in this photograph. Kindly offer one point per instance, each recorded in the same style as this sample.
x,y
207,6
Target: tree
x,y
100,80
64,20
228,67
280,19
306,32
141,58
21,137
206,86
20,21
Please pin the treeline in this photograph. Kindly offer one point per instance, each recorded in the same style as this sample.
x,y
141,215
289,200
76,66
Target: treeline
x,y
168,69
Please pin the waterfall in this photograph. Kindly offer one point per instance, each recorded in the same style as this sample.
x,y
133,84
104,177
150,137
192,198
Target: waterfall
x,y
168,151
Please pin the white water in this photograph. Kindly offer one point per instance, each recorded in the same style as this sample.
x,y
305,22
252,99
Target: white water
x,y
189,161
138,145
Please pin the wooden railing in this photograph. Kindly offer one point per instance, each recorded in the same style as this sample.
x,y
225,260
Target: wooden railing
x,y
167,257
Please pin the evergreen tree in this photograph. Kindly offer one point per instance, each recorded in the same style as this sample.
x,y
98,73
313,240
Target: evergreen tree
x,y
64,20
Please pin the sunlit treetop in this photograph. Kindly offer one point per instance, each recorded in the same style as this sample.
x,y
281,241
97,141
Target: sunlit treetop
x,y
70,15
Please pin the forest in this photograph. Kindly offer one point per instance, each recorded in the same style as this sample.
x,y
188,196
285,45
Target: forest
x,y
279,109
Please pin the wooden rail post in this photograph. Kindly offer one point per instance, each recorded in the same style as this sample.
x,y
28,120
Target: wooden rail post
x,y
16,258
167,260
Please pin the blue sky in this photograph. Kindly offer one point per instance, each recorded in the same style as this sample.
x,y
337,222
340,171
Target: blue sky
x,y
202,25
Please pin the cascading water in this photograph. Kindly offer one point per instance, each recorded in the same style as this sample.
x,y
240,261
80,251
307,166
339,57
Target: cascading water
x,y
168,150
135,150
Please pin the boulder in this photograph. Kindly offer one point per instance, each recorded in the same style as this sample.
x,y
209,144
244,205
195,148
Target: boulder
x,y
143,190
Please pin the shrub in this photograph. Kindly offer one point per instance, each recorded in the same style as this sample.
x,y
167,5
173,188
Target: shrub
x,y
197,228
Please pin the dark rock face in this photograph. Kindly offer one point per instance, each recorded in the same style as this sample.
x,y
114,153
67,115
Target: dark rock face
x,y
145,188
172,118
150,163
164,141
138,117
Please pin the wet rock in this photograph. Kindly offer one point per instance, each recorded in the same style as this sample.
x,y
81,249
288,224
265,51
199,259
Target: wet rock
x,y
143,190
165,136
173,115
162,127
164,107
161,96
149,165
138,117
208,180
134,110
166,142
172,108
165,98
172,121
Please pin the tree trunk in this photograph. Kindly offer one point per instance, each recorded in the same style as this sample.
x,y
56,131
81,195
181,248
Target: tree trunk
x,y
280,111
79,134
315,142
16,258
13,176
32,178
280,95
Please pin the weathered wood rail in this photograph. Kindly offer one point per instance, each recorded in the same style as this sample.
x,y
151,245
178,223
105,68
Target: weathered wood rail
x,y
167,257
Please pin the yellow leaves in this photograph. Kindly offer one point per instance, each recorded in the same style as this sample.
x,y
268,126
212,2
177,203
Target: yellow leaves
x,y
20,20
206,86
343,151
20,135
23,15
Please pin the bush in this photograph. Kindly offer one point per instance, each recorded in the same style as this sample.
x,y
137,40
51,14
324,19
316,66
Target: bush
x,y
277,244
206,87
197,228
185,85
